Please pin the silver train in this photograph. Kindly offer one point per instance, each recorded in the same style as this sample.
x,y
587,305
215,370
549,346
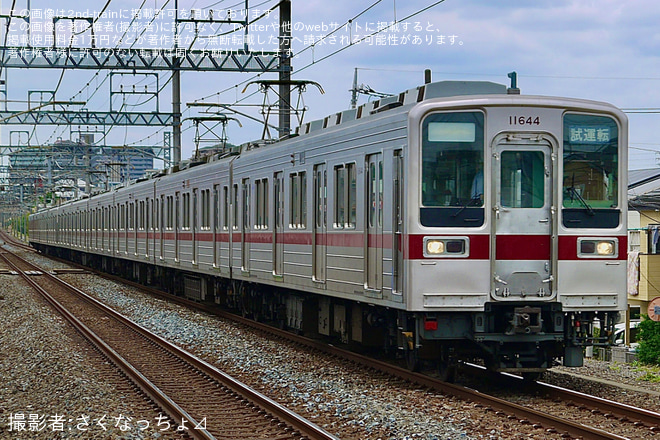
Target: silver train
x,y
454,221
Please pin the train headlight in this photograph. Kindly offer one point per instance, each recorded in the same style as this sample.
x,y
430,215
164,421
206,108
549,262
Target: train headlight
x,y
435,247
447,247
605,248
598,247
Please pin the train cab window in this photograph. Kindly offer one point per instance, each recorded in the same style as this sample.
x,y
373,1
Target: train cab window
x,y
452,182
591,169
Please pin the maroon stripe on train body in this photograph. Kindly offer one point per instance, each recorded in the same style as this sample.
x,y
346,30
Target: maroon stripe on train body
x,y
522,247
509,247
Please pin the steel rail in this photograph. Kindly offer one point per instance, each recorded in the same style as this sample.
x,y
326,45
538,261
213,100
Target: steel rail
x,y
161,399
278,411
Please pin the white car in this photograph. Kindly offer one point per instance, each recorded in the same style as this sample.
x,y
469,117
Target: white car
x,y
620,332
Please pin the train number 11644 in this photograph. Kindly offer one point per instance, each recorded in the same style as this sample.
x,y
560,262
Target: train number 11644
x,y
524,120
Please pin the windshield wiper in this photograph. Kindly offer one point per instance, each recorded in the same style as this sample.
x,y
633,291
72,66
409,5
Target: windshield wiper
x,y
474,201
584,203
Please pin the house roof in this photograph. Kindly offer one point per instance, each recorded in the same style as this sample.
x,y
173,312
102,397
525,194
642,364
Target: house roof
x,y
644,188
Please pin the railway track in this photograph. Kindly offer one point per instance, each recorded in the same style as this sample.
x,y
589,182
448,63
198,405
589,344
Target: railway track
x,y
199,399
646,423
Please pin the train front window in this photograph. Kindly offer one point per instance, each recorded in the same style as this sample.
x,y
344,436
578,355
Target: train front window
x,y
452,182
591,164
523,179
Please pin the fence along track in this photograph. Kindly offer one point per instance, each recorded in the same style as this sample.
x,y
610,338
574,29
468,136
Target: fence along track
x,y
207,397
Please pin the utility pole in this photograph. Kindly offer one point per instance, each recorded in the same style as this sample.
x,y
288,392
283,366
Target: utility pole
x,y
176,94
284,125
354,90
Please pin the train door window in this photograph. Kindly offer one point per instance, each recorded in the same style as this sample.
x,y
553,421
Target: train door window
x,y
142,224
156,214
225,211
321,196
246,203
261,221
294,211
372,194
206,209
195,209
235,206
522,179
340,197
345,197
216,207
170,212
380,193
185,221
298,200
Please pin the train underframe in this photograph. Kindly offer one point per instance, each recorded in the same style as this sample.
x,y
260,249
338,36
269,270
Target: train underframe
x,y
525,338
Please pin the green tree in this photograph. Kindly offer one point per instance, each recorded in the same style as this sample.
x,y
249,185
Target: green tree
x,y
648,351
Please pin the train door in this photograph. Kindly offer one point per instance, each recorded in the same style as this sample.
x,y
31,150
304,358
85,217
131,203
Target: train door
x,y
216,224
278,229
523,240
193,229
320,222
177,224
397,228
374,226
161,225
245,240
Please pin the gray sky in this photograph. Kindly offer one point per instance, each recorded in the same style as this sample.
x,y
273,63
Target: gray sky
x,y
603,50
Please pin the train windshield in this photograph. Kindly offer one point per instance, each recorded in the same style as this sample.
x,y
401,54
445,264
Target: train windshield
x,y
452,159
591,164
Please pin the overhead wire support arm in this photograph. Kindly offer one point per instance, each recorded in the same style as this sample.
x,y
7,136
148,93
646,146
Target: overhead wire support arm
x,y
198,60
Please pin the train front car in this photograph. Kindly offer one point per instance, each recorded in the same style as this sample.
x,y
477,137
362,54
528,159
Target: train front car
x,y
517,230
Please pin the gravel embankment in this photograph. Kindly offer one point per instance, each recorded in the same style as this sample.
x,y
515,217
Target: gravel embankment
x,y
54,385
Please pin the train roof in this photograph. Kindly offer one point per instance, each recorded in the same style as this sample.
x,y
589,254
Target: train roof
x,y
440,89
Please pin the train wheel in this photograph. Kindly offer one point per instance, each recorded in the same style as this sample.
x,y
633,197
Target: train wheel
x,y
411,353
447,365
412,359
